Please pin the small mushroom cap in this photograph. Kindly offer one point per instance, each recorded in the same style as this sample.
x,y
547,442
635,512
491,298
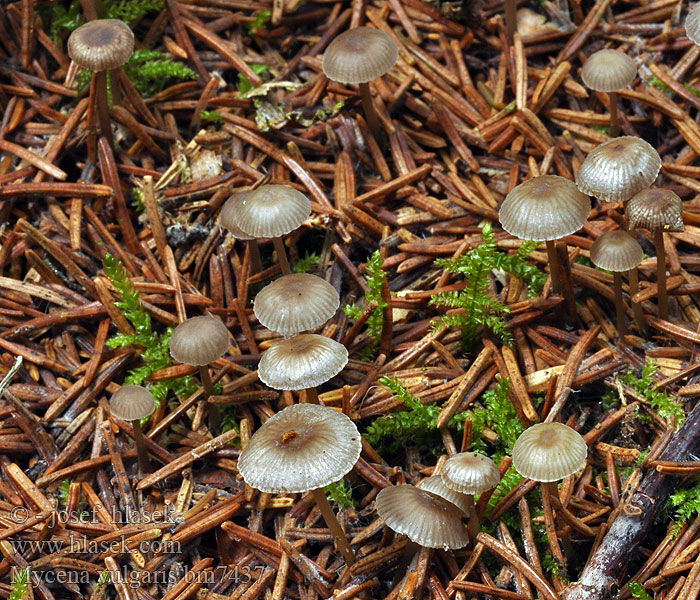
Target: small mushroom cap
x,y
426,518
549,452
692,25
436,486
655,209
303,447
470,473
303,361
199,341
616,251
272,211
359,55
608,71
544,208
616,170
132,403
101,45
229,215
295,303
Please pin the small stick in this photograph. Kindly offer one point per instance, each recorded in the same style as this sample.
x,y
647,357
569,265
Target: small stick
x,y
333,524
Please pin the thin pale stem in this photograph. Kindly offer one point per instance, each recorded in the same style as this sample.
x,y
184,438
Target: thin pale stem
x,y
614,115
207,383
282,256
212,410
619,306
333,524
370,112
474,521
661,274
255,261
115,87
144,462
636,306
102,107
554,267
511,20
312,395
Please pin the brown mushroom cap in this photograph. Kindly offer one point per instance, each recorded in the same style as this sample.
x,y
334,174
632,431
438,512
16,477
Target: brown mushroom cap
x,y
132,403
303,361
303,447
272,211
435,485
692,25
544,208
616,170
655,209
101,45
608,71
470,473
549,452
295,303
199,341
425,518
359,55
229,214
616,251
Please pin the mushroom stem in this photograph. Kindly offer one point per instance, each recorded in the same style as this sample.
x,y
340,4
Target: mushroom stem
x,y
333,524
255,261
212,410
92,9
636,306
115,86
144,462
370,111
282,256
511,19
207,383
474,521
312,395
554,266
614,116
550,498
619,306
102,107
661,273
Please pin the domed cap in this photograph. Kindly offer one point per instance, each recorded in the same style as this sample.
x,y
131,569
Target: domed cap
x,y
424,518
608,71
359,55
436,486
616,251
101,45
301,362
229,215
132,403
617,169
470,473
549,452
655,209
544,208
199,341
303,447
295,303
272,211
692,25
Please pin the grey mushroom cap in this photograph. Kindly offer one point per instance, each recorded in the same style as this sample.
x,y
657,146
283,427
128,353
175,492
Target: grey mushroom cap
x,y
359,55
544,208
470,473
303,447
608,70
199,341
655,209
616,251
425,518
272,211
435,485
229,214
132,403
101,45
616,170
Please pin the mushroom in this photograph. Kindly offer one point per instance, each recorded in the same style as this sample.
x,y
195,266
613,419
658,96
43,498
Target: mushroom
x,y
296,303
618,251
132,403
303,448
102,45
692,25
227,218
358,56
657,210
607,71
425,518
616,170
470,473
198,342
268,211
435,485
545,208
302,362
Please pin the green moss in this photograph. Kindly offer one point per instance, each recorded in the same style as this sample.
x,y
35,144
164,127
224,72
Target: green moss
x,y
665,406
637,590
20,584
150,71
341,494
